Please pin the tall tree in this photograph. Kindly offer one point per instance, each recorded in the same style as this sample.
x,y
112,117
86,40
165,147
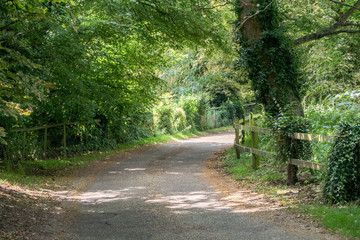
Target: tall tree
x,y
267,53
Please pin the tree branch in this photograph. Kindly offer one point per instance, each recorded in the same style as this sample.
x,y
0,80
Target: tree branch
x,y
344,4
256,13
351,24
333,29
321,34
216,6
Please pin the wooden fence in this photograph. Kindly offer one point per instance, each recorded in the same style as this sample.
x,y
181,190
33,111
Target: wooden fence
x,y
256,153
45,128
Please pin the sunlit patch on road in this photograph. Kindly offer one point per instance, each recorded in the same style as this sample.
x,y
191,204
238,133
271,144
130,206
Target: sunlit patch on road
x,y
201,200
105,196
134,169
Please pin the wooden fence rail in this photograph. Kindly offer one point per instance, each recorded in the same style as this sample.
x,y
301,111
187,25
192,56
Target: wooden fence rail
x,y
46,127
254,131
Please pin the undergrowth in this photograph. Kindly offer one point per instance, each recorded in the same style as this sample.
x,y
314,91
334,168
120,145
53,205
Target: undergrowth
x,y
345,219
42,172
305,197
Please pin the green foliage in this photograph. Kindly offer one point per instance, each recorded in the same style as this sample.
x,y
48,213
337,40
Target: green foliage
x,y
266,179
203,72
22,24
273,68
284,126
325,117
180,123
342,182
344,219
166,119
330,63
180,114
2,135
190,105
234,109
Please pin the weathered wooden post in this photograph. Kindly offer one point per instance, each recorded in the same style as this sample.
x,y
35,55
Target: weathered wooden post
x,y
23,146
45,141
243,131
65,139
293,169
214,117
237,138
254,143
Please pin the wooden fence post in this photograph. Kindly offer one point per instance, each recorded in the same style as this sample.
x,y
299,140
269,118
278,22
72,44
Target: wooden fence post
x,y
23,146
215,118
65,139
254,144
237,138
243,131
45,142
293,169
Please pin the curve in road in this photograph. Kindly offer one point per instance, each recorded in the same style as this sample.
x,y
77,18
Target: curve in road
x,y
160,193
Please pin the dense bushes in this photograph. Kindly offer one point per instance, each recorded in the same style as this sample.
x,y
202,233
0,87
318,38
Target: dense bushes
x,y
170,115
189,113
342,182
337,115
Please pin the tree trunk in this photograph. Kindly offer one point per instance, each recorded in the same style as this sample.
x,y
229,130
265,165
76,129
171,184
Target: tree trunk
x,y
267,53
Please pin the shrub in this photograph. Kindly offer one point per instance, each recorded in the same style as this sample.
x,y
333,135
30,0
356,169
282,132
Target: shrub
x,y
179,120
342,182
190,105
164,117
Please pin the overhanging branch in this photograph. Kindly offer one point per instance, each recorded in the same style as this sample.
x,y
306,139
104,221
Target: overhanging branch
x,y
321,34
344,4
333,29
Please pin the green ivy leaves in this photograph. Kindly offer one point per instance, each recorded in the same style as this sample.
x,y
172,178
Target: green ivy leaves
x,y
287,147
342,182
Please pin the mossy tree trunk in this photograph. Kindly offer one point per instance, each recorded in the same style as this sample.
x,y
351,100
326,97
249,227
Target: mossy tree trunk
x,y
266,53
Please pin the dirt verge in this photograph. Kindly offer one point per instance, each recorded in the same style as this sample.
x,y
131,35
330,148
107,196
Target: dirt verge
x,y
261,205
40,214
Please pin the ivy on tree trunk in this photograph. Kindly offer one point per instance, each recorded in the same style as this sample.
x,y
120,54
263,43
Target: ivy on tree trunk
x,y
266,53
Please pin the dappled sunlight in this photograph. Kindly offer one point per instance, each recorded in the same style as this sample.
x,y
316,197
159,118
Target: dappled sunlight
x,y
105,196
246,202
239,202
206,201
134,169
242,200
209,141
173,173
214,139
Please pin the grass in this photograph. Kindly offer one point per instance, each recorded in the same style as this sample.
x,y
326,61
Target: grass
x,y
270,179
342,219
38,173
266,179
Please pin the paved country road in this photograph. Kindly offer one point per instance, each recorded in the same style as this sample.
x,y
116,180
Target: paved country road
x,y
160,193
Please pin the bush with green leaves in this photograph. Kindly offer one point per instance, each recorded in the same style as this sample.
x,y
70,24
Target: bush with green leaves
x,y
190,105
180,120
233,109
284,126
342,182
164,115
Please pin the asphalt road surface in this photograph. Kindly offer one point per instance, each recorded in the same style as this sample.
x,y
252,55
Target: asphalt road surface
x,y
160,193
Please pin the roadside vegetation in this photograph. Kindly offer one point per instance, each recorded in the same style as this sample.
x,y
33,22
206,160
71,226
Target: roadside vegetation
x,y
46,172
307,196
81,80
